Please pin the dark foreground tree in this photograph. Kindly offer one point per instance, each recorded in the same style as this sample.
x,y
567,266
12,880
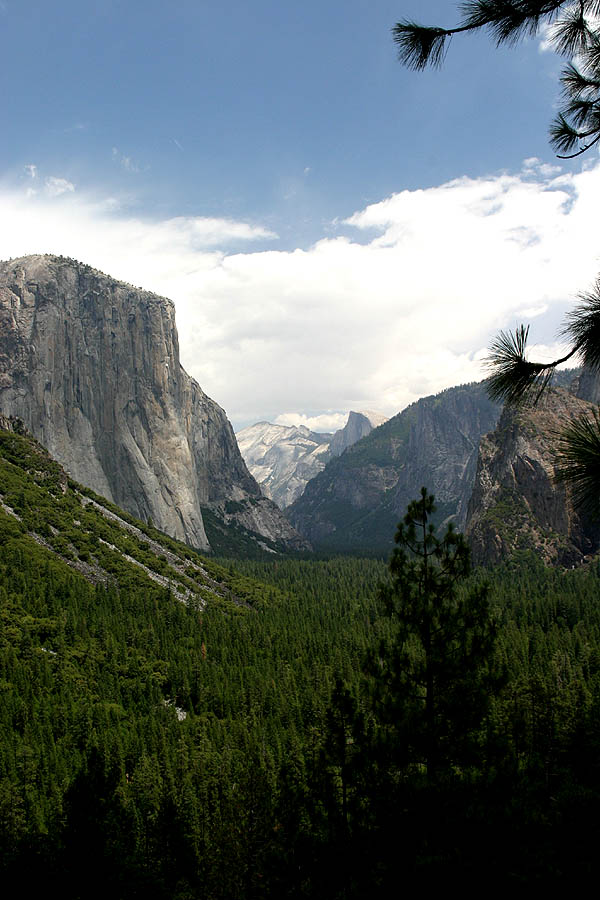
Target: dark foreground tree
x,y
575,33
433,678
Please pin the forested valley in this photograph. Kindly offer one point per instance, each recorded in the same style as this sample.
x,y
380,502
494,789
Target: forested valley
x,y
251,746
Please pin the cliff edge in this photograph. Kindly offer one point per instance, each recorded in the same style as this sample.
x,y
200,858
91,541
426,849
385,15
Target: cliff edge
x,y
91,366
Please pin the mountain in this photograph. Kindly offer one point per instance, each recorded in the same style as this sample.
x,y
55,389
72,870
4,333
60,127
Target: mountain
x,y
359,425
516,502
356,501
284,458
91,366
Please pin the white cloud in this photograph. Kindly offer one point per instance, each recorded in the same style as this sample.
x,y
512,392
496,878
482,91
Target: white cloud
x,y
31,170
402,301
534,165
550,352
329,421
57,186
546,34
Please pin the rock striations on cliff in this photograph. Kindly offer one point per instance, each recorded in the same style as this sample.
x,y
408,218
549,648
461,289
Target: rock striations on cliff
x,y
91,366
355,503
517,504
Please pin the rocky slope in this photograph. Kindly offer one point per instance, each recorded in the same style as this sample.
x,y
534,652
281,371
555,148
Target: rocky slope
x,y
91,366
355,503
45,513
516,503
284,458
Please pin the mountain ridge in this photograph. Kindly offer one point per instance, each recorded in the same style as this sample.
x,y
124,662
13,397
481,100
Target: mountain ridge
x,y
354,504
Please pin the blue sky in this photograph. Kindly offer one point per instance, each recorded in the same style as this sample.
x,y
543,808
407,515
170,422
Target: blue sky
x,y
335,231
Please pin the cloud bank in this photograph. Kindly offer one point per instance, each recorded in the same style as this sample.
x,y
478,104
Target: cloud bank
x,y
400,302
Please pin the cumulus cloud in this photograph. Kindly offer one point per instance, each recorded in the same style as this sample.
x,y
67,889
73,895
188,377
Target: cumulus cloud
x,y
57,186
329,421
400,301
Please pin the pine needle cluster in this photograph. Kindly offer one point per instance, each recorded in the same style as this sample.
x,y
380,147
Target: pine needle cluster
x,y
574,32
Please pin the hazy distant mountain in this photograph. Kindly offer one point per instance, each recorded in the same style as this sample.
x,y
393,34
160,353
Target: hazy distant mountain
x,y
284,458
358,426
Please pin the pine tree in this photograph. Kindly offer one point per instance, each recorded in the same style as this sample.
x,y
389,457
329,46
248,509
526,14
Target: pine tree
x,y
433,678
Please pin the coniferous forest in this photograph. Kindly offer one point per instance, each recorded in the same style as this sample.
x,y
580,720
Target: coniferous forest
x,y
329,728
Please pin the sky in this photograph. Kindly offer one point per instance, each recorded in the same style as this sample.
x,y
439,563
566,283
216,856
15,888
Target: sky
x,y
335,231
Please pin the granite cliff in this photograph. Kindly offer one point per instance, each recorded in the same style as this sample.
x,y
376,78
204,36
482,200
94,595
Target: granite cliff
x,y
516,502
91,366
355,503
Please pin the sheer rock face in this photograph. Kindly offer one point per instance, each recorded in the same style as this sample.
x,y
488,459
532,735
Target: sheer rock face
x,y
516,501
356,502
91,366
358,426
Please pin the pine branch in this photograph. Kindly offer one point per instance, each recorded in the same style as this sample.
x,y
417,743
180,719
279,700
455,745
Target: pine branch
x,y
583,326
572,35
509,20
576,84
579,462
591,61
592,8
515,379
564,137
581,112
418,45
576,32
581,150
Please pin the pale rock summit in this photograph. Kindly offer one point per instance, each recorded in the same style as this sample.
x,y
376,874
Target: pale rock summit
x,y
91,366
358,426
284,458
